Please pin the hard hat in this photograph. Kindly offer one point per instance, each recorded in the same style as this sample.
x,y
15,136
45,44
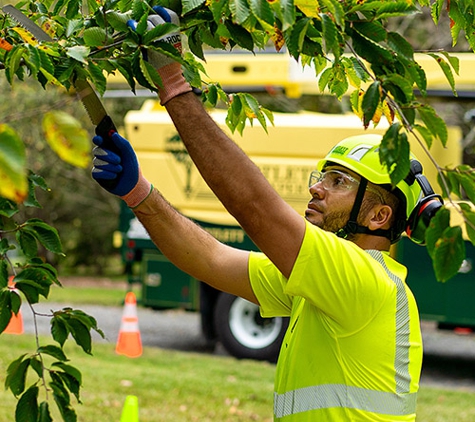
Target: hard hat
x,y
360,154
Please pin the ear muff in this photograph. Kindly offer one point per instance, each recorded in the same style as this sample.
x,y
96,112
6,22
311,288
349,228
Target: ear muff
x,y
426,207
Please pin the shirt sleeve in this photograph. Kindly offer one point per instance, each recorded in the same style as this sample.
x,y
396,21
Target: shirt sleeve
x,y
268,284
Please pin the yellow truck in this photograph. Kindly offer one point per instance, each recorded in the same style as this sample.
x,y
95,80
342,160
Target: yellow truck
x,y
286,155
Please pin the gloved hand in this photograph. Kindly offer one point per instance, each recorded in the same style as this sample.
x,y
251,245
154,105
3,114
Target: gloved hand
x,y
119,172
169,70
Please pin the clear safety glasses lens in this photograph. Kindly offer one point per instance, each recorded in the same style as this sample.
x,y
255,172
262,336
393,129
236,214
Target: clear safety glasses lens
x,y
333,180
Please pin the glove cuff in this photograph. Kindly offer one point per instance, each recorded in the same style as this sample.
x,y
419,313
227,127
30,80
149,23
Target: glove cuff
x,y
173,81
139,192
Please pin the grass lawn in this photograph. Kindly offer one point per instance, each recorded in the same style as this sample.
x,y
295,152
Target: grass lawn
x,y
183,387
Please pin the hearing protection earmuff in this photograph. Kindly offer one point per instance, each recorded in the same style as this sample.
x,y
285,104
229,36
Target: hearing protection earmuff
x,y
426,207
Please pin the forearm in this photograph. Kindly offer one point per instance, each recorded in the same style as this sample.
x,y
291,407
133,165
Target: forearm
x,y
219,160
192,249
238,183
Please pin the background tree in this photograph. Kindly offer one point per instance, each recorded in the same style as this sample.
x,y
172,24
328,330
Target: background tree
x,y
350,43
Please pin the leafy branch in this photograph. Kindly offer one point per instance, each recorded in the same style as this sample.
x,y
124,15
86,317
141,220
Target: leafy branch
x,y
31,279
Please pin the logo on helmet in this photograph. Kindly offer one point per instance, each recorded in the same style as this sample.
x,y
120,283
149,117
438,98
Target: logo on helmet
x,y
341,150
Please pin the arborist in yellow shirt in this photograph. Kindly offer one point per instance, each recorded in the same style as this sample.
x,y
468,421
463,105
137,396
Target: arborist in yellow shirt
x,y
353,349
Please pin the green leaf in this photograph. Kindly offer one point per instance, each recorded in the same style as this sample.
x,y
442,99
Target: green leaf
x,y
335,9
330,32
436,8
242,37
468,184
33,60
150,73
437,225
54,351
189,5
16,375
117,20
59,329
14,61
67,138
37,366
27,243
469,215
44,415
434,123
27,407
263,13
447,71
415,71
3,273
158,32
372,52
79,53
399,87
8,208
97,76
72,26
71,383
240,11
81,335
285,12
449,253
5,309
71,370
15,301
30,289
371,100
67,412
371,30
13,174
45,234
394,153
400,45
96,37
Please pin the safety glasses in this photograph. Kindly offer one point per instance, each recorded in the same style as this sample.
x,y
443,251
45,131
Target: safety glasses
x,y
333,180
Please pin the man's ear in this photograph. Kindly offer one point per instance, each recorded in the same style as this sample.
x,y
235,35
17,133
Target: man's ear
x,y
380,217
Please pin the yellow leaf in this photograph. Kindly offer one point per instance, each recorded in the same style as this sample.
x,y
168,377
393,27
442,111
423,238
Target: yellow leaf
x,y
26,36
13,179
309,7
67,138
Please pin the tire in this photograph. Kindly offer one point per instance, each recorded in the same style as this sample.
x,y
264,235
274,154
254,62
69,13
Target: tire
x,y
244,333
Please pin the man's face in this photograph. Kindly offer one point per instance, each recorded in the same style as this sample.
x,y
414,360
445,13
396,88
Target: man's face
x,y
332,198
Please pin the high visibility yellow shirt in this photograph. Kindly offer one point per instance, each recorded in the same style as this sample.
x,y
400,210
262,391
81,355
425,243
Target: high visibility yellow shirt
x,y
353,349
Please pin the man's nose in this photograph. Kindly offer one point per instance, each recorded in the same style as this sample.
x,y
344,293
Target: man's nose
x,y
317,189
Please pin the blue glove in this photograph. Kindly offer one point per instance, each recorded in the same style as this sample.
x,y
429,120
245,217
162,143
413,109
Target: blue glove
x,y
117,172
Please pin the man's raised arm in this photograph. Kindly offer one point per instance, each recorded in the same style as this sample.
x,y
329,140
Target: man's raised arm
x,y
269,221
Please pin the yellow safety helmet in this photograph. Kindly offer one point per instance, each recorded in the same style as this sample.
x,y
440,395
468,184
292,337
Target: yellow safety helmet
x,y
419,203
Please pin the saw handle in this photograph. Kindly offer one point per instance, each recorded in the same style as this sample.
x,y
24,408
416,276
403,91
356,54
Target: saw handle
x,y
105,129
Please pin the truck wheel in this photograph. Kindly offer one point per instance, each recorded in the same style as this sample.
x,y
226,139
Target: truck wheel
x,y
244,333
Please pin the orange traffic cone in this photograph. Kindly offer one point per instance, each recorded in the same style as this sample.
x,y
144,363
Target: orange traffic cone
x,y
129,342
15,326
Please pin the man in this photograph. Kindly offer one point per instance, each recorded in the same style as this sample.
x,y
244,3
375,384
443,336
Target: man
x,y
353,350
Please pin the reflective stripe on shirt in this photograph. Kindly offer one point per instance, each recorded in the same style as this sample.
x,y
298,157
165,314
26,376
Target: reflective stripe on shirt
x,y
399,403
339,395
401,360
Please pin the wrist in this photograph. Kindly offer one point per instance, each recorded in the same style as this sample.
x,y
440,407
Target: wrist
x,y
139,192
173,81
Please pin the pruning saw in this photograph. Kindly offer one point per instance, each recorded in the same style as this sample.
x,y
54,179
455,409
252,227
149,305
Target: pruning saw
x,y
86,93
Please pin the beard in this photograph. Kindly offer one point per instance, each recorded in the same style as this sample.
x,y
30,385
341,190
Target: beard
x,y
333,221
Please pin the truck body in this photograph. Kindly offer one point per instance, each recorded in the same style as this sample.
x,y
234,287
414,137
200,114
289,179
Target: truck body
x,y
286,155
